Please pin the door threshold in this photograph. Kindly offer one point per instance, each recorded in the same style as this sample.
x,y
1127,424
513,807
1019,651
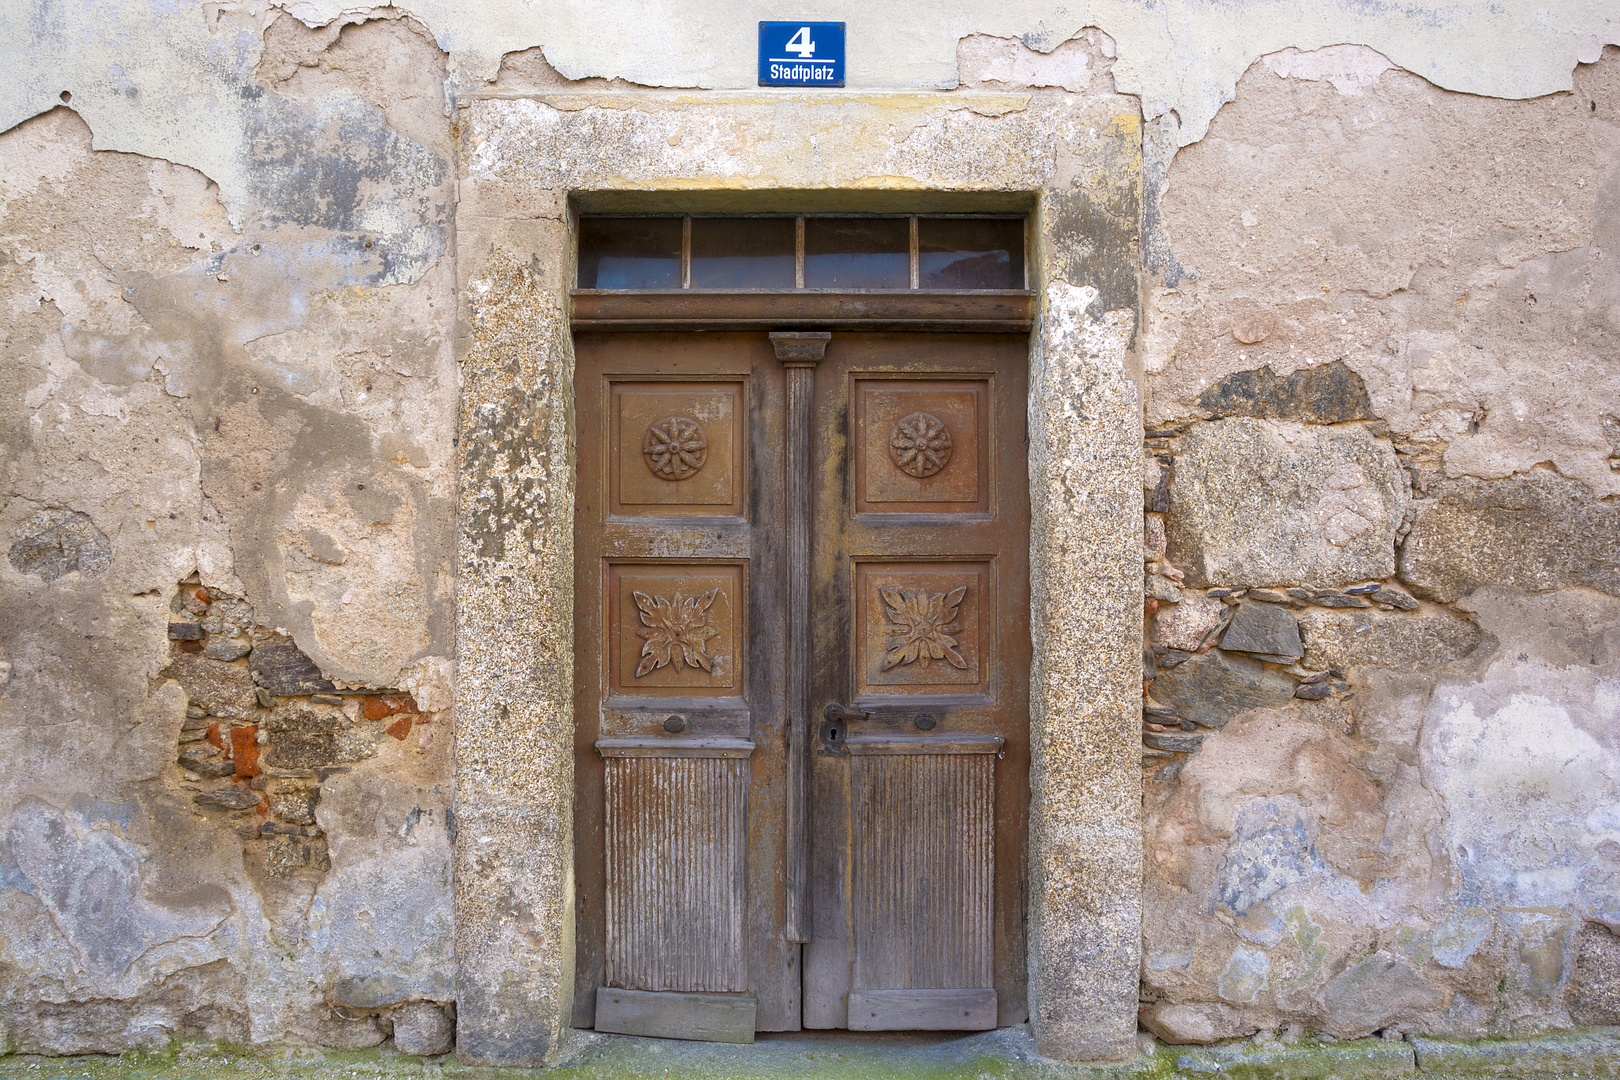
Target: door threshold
x,y
813,1055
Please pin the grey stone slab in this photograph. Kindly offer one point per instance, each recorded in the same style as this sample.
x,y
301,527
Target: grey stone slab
x,y
1359,1059
1330,394
1535,532
1263,628
282,668
1573,1054
1347,639
1255,504
1212,688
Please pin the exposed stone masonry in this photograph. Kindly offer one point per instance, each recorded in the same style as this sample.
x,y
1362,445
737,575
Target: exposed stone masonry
x,y
264,730
1288,660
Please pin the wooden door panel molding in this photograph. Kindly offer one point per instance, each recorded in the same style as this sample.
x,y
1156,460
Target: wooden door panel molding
x,y
960,742
675,848
676,447
924,870
667,747
922,445
677,629
658,718
922,627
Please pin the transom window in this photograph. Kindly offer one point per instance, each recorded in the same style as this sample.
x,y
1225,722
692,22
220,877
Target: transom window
x,y
781,253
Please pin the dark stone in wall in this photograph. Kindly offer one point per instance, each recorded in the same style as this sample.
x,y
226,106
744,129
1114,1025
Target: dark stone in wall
x,y
283,669
1214,687
1263,628
53,543
1537,532
1330,394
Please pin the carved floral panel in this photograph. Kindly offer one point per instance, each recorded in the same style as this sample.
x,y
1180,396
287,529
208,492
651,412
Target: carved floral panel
x,y
675,628
920,628
921,446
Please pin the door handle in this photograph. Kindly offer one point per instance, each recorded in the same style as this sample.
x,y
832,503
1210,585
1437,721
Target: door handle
x,y
835,728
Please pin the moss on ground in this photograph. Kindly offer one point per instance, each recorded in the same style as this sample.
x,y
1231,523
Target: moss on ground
x,y
1000,1055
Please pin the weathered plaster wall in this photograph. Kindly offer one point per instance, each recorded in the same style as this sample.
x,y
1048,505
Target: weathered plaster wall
x,y
1379,348
1381,781
263,407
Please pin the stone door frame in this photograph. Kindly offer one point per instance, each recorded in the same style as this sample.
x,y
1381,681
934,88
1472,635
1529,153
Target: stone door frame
x,y
528,163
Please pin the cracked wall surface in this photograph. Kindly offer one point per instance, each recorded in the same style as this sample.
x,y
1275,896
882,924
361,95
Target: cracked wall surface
x,y
1375,354
1383,708
227,521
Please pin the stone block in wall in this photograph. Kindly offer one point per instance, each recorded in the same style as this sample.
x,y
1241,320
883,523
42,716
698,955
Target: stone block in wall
x,y
1596,996
1265,629
300,737
1351,638
1212,688
1375,992
423,1029
1536,532
1185,625
1180,1024
218,689
1268,503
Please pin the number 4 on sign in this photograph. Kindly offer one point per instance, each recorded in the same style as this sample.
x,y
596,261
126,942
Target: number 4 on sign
x,y
800,43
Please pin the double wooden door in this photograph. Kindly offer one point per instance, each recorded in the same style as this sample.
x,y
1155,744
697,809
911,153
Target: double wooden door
x,y
802,655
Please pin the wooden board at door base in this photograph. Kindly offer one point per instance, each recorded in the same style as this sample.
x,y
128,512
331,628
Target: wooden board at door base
x,y
700,1017
927,1010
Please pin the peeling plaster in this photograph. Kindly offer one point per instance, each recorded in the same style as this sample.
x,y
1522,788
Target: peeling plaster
x,y
176,82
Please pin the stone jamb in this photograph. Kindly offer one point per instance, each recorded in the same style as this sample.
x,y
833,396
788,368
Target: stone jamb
x,y
1077,160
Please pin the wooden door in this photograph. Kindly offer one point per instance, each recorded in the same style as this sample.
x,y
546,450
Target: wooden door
x,y
921,661
769,525
679,688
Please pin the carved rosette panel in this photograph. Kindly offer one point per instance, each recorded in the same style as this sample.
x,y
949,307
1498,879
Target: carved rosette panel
x,y
920,445
675,447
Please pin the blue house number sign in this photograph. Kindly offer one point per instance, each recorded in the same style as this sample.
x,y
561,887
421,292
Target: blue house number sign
x,y
801,54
